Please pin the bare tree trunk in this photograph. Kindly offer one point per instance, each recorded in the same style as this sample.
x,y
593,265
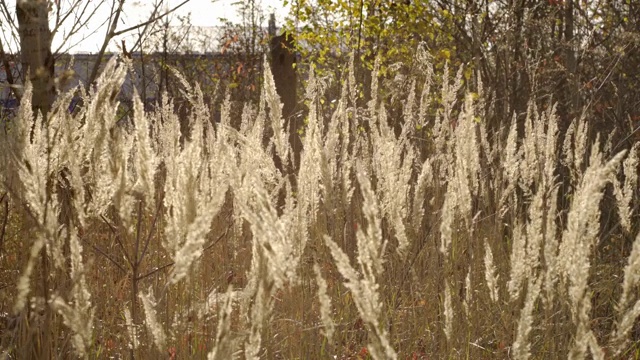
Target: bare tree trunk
x,y
38,61
35,42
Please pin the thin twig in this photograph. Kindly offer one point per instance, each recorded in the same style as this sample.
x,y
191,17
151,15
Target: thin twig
x,y
103,253
136,260
152,20
113,229
9,73
213,243
5,220
155,270
117,236
150,233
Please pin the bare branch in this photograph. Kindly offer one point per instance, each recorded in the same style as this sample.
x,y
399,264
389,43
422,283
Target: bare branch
x,y
151,20
112,32
113,23
82,16
9,73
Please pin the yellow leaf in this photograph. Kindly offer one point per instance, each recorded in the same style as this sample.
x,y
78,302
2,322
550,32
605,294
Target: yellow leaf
x,y
467,73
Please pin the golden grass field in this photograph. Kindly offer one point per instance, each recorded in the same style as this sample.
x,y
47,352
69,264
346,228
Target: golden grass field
x,y
437,239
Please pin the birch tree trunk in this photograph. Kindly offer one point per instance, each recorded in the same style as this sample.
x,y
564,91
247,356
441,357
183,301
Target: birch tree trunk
x,y
38,61
35,43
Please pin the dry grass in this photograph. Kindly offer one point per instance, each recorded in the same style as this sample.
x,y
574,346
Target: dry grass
x,y
436,240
